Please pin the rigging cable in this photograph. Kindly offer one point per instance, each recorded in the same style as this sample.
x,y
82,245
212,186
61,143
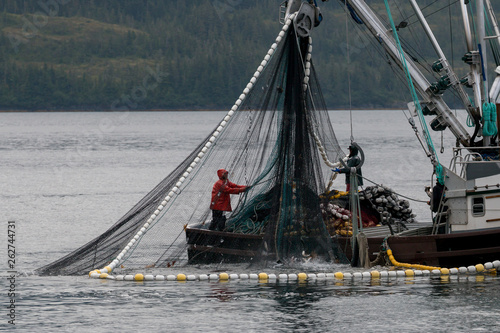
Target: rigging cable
x,y
348,58
434,158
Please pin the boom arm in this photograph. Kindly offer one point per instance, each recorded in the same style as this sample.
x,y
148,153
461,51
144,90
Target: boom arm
x,y
434,101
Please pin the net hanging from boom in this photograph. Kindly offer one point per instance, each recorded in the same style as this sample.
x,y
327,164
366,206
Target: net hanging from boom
x,y
269,142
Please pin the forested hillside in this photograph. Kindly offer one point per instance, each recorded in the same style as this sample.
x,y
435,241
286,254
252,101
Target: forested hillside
x,y
145,54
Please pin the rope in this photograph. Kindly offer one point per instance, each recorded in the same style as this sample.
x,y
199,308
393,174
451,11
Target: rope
x,y
416,200
434,158
348,58
489,119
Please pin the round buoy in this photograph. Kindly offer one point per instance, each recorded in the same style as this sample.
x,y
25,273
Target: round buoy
x,y
139,277
181,277
302,276
339,275
479,267
283,277
223,276
471,269
375,274
409,273
445,271
263,276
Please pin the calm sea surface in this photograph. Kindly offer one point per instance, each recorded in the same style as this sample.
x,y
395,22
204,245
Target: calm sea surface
x,y
66,177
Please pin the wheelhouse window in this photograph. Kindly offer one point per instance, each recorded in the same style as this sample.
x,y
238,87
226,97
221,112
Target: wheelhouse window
x,y
478,206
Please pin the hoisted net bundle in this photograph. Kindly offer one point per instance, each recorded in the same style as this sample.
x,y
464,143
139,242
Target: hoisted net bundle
x,y
271,144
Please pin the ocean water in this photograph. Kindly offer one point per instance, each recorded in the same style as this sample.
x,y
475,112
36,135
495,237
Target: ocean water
x,y
66,177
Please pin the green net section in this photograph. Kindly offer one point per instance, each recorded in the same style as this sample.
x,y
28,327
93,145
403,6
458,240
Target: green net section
x,y
268,144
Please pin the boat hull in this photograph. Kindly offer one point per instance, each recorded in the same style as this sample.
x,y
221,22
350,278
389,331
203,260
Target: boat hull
x,y
209,246
443,250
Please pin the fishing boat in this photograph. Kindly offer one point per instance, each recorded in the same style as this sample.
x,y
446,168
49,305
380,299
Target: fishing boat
x,y
466,226
278,140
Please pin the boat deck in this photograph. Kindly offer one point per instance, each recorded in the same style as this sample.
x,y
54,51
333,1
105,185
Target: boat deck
x,y
412,229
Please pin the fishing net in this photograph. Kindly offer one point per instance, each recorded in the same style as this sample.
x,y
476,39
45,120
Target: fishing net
x,y
268,141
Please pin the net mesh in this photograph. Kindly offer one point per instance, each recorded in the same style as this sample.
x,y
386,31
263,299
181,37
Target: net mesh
x,y
268,144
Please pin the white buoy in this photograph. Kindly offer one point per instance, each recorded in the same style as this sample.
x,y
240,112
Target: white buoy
x,y
392,274
254,276
129,278
292,277
278,39
233,276
283,277
367,275
357,275
119,277
203,277
160,278
244,277
488,265
171,277
471,269
191,277
149,277
348,276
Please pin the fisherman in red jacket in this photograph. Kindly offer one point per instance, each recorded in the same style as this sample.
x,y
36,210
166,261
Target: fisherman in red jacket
x,y
221,201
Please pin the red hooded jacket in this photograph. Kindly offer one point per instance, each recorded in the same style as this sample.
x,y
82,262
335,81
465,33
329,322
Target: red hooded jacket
x,y
221,191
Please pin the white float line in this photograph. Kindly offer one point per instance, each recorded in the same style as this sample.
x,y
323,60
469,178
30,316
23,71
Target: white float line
x,y
367,275
176,189
307,70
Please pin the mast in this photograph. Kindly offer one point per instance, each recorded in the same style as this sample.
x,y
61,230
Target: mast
x,y
495,87
434,100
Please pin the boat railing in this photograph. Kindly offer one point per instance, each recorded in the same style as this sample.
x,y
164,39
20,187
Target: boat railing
x,y
461,159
